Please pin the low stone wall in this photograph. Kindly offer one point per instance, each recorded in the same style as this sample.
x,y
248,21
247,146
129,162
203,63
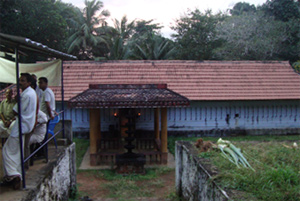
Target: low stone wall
x,y
59,179
192,178
233,132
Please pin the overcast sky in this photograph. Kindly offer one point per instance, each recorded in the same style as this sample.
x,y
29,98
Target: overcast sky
x,y
162,11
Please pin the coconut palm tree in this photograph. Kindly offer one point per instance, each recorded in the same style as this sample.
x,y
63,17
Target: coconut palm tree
x,y
84,35
119,37
124,28
154,47
119,50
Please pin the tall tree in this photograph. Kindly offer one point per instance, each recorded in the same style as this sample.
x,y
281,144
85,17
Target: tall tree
x,y
118,39
251,37
287,11
242,7
146,27
153,47
38,20
84,36
282,10
196,35
118,49
124,28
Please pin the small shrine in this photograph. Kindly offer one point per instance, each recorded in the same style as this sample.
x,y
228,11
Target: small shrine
x,y
123,145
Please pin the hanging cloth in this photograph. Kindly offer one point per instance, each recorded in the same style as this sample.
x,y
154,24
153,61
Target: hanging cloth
x,y
51,70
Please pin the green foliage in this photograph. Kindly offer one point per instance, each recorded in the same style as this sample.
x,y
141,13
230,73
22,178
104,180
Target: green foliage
x,y
173,197
111,175
118,39
129,187
172,139
153,47
276,175
83,31
196,35
118,49
242,7
206,154
143,27
73,192
124,29
138,40
252,37
81,146
283,10
296,66
126,189
288,12
268,32
41,21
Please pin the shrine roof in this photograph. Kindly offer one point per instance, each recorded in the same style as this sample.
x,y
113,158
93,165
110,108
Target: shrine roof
x,y
128,96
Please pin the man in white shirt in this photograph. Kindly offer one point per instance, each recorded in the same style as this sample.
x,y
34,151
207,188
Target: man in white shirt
x,y
11,150
47,99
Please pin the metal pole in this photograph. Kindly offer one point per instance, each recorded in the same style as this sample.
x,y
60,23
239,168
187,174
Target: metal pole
x,y
62,98
19,116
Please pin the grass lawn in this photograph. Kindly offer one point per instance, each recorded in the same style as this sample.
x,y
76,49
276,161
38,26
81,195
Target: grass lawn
x,y
277,168
103,184
81,147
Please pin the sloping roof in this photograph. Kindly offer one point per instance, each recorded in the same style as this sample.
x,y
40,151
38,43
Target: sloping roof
x,y
128,96
207,80
25,44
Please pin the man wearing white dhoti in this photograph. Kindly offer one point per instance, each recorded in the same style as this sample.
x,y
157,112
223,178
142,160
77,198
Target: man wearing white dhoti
x,y
11,150
39,131
47,98
7,115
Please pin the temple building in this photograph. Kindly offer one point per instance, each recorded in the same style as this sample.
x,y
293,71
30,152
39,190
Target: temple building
x,y
192,98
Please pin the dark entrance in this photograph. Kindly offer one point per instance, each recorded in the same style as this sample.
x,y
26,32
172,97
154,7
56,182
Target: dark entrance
x,y
129,162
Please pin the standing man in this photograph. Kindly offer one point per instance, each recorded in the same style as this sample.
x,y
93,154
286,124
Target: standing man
x,y
11,150
47,99
7,115
35,86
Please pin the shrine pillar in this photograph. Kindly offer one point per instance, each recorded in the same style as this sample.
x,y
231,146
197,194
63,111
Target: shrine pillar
x,y
164,136
156,123
95,134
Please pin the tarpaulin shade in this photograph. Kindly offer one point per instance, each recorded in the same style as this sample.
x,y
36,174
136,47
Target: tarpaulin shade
x,y
51,70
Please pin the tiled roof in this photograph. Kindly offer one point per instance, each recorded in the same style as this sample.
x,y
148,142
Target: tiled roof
x,y
208,80
124,96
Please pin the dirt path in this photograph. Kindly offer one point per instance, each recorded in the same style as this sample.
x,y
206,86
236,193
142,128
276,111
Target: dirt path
x,y
98,188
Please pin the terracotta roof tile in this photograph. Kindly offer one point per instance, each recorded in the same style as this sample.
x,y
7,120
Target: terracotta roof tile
x,y
131,95
208,80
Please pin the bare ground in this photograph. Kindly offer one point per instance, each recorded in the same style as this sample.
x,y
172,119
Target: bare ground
x,y
96,188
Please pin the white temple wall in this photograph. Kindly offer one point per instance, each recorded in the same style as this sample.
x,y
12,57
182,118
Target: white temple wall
x,y
204,115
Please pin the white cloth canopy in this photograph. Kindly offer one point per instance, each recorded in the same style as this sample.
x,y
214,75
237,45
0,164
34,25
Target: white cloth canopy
x,y
51,70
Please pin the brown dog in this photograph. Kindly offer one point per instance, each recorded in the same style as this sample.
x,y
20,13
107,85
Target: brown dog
x,y
204,146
